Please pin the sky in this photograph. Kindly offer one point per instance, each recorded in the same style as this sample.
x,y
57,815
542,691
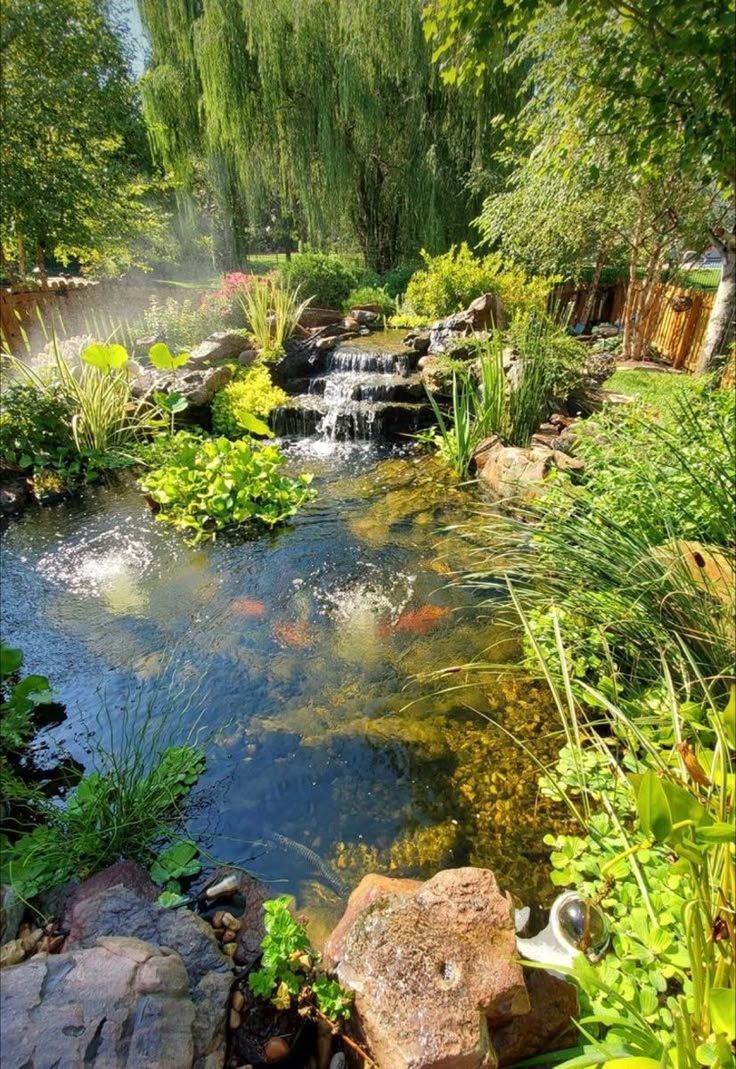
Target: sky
x,y
127,10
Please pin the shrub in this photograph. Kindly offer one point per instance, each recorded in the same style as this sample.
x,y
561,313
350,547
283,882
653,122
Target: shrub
x,y
326,279
370,295
35,429
448,283
18,701
95,400
254,394
212,484
183,324
395,281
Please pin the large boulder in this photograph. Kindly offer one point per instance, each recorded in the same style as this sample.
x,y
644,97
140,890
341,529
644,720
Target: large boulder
x,y
319,317
120,1004
197,386
432,970
220,348
481,315
127,910
486,312
371,887
512,472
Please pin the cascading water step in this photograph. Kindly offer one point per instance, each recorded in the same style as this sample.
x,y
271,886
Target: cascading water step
x,y
363,390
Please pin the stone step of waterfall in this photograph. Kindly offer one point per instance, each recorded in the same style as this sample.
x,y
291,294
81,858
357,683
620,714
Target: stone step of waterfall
x,y
367,386
307,415
352,358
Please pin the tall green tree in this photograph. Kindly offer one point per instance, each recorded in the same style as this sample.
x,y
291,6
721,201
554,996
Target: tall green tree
x,y
331,109
655,78
73,142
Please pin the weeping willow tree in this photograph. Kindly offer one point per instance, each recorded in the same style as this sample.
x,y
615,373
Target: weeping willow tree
x,y
328,113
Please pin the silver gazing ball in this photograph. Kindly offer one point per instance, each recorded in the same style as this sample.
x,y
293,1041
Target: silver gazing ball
x,y
581,924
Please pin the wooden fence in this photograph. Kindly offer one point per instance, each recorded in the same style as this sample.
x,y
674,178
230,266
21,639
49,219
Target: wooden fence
x,y
28,314
675,324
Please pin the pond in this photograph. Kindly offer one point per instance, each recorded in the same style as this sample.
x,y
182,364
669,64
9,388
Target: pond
x,y
302,658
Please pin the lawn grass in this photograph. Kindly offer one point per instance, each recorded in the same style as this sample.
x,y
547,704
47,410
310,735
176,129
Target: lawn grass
x,y
655,388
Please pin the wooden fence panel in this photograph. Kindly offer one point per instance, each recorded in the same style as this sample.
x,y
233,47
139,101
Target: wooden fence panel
x,y
676,320
75,308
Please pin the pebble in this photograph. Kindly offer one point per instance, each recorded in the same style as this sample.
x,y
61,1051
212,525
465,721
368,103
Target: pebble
x,y
228,921
238,1000
276,1048
223,887
229,936
12,953
30,940
234,1020
229,949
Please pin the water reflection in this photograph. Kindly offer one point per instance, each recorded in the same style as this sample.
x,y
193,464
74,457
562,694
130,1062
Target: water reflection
x,y
305,650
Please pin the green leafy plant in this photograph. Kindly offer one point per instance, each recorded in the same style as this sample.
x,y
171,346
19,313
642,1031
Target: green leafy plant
x,y
370,295
288,967
272,312
184,325
124,809
104,418
326,279
254,394
177,862
35,430
209,485
19,697
448,283
162,358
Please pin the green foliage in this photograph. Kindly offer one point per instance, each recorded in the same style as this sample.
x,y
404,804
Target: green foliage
x,y
366,145
209,485
74,149
182,324
161,357
35,429
272,311
254,394
18,700
666,884
487,401
370,295
176,863
288,965
393,282
448,284
327,279
614,551
123,810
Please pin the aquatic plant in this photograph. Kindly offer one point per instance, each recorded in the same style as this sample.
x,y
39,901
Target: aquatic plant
x,y
128,807
656,853
289,965
253,394
272,312
208,485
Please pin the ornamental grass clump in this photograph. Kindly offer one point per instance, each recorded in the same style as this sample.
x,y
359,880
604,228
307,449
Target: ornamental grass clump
x,y
213,484
272,312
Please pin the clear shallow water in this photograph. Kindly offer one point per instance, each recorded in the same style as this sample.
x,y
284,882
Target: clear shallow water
x,y
298,653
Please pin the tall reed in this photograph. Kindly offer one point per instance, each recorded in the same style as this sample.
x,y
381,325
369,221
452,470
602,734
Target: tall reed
x,y
272,312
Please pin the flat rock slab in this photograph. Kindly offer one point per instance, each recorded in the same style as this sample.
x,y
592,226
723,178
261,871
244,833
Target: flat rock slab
x,y
123,1004
121,911
432,969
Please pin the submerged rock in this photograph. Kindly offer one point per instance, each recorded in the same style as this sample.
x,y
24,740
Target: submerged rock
x,y
429,966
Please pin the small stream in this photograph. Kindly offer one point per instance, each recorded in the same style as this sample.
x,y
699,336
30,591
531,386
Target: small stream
x,y
301,657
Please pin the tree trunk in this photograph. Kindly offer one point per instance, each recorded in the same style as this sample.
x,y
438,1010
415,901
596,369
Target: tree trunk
x,y
593,291
41,263
21,258
631,296
720,330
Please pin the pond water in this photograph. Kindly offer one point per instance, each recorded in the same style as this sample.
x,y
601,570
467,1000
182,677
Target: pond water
x,y
302,658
